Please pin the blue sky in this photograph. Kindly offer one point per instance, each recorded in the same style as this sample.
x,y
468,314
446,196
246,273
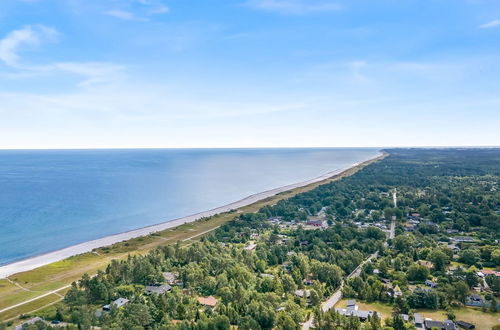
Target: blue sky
x,y
249,73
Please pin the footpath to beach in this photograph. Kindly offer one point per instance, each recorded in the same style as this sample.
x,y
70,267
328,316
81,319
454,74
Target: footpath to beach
x,y
48,258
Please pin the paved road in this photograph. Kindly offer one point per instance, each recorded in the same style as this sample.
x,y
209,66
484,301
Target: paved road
x,y
337,295
392,231
395,198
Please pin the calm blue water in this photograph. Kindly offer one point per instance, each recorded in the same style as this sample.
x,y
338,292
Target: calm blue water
x,y
54,199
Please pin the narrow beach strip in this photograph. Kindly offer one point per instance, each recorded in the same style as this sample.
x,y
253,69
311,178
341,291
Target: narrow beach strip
x,y
58,255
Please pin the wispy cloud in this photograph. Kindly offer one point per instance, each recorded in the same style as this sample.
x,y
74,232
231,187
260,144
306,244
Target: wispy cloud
x,y
26,36
294,7
139,10
15,41
490,24
123,14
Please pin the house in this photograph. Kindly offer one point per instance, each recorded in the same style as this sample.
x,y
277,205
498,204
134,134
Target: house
x,y
209,301
251,246
488,272
322,212
317,223
431,284
351,304
308,282
275,219
27,323
397,291
452,231
386,281
474,300
410,227
157,288
352,309
170,277
263,275
425,263
120,302
303,293
465,325
445,325
376,271
463,239
418,320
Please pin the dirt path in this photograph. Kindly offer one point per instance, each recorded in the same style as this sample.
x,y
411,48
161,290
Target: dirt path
x,y
36,298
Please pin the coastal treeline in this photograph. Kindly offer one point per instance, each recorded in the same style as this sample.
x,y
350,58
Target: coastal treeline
x,y
273,269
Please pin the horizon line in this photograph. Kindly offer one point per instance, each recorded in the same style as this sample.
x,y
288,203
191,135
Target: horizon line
x,y
259,147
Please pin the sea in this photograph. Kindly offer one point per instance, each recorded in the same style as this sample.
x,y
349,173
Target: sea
x,y
51,199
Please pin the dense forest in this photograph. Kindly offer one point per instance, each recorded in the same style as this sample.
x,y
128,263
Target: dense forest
x,y
273,269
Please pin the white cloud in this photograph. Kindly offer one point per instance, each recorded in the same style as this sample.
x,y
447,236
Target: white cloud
x,y
490,24
93,72
12,44
27,36
139,10
122,14
294,7
160,9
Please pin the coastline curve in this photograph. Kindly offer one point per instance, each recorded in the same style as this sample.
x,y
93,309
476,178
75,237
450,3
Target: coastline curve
x,y
85,247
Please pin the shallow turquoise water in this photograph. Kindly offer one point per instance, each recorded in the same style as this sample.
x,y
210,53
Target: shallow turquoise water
x,y
52,199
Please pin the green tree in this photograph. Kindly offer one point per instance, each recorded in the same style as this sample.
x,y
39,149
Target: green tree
x,y
470,256
285,322
417,273
495,257
439,259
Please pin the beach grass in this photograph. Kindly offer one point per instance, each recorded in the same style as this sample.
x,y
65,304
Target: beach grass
x,y
62,273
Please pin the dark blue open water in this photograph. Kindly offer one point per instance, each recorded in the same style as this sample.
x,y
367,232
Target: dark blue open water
x,y
50,199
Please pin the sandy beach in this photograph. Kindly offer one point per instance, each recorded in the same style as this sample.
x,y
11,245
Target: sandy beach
x,y
48,258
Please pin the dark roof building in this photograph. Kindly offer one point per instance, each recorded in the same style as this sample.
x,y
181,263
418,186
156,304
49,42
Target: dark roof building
x,y
418,319
465,325
27,323
170,277
158,288
120,302
445,325
431,284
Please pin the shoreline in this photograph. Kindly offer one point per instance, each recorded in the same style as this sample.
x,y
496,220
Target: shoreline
x,y
85,247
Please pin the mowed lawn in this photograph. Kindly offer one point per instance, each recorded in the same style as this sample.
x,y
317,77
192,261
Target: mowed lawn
x,y
475,316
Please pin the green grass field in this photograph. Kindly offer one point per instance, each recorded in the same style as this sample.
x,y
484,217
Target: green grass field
x,y
475,316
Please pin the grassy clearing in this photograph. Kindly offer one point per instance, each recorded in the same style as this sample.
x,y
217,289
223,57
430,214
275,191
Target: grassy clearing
x,y
384,310
31,306
475,316
59,274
